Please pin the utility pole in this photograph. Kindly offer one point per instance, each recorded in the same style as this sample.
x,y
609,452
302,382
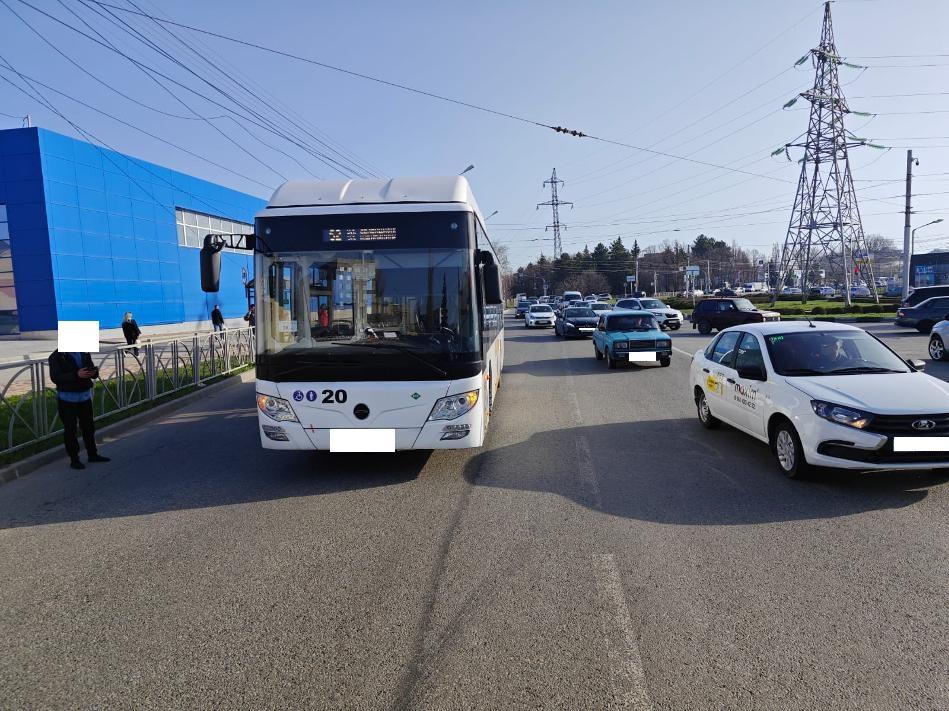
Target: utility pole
x,y
655,283
907,245
555,203
636,283
825,221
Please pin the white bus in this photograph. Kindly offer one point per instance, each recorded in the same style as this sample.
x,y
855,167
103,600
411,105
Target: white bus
x,y
379,315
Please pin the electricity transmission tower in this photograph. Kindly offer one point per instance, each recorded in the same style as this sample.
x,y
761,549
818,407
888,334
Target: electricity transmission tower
x,y
555,204
825,228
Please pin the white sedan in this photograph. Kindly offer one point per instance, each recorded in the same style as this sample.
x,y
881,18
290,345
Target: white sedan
x,y
830,395
539,315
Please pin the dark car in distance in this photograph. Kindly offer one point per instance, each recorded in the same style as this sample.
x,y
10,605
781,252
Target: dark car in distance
x,y
575,321
718,313
923,293
523,307
924,315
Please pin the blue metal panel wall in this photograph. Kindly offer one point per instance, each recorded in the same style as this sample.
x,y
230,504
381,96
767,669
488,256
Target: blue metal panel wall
x,y
113,239
21,190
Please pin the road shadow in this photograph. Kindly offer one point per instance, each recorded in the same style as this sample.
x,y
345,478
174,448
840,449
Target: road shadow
x,y
675,472
162,467
576,365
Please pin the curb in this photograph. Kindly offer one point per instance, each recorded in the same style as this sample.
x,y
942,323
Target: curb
x,y
110,433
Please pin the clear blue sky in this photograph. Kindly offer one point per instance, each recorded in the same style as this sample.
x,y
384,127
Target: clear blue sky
x,y
637,72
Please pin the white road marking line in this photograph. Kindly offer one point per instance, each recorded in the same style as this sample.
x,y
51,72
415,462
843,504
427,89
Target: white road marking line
x,y
627,662
685,353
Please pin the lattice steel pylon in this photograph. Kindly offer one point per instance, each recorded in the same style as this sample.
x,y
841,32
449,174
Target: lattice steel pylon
x,y
825,230
555,204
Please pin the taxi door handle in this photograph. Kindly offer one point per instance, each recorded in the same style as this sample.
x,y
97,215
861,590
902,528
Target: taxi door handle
x,y
705,370
729,380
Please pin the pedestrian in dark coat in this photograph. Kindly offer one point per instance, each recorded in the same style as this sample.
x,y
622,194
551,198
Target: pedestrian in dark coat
x,y
131,330
74,374
217,319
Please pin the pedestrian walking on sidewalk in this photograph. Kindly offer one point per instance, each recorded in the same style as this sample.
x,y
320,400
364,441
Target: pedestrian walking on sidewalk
x,y
251,316
217,318
74,374
131,330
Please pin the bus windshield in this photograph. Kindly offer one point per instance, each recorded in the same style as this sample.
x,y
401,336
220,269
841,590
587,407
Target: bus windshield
x,y
421,300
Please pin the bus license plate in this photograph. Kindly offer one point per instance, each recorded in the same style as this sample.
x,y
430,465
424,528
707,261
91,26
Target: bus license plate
x,y
921,444
356,440
643,357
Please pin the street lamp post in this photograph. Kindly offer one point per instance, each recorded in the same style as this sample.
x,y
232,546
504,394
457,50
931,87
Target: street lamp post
x,y
912,249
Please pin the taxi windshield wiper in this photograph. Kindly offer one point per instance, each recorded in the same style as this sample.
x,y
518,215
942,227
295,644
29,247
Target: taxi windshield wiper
x,y
802,371
393,347
863,369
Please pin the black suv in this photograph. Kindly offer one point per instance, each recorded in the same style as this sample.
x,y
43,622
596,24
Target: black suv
x,y
924,292
721,313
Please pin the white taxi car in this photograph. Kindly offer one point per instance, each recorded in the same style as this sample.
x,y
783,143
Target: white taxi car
x,y
539,315
823,394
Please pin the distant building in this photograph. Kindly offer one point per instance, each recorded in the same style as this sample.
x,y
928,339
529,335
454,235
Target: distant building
x,y
87,234
930,269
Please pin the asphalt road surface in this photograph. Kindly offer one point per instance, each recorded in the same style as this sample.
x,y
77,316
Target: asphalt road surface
x,y
601,551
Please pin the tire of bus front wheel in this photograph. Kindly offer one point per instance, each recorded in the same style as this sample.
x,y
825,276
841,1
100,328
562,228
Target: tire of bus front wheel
x,y
788,452
596,352
704,327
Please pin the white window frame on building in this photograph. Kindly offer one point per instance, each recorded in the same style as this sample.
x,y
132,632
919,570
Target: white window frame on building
x,y
193,226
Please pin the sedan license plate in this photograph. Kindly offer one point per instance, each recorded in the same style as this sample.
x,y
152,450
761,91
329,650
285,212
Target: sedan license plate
x,y
921,444
643,357
586,330
355,440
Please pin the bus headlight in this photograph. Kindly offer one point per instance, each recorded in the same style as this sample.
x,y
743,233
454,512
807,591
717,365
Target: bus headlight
x,y
276,408
454,406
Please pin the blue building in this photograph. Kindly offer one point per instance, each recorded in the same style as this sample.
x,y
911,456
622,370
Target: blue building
x,y
87,234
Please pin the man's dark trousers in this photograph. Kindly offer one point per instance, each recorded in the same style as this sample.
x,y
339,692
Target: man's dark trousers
x,y
73,414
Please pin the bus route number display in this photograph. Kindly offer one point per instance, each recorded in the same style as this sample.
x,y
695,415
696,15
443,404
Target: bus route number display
x,y
359,234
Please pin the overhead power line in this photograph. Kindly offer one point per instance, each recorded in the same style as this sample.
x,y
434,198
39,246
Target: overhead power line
x,y
440,97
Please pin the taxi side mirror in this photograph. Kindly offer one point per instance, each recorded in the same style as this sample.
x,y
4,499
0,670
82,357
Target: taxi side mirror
x,y
916,364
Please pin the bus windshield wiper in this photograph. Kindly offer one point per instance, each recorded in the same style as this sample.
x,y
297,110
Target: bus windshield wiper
x,y
393,347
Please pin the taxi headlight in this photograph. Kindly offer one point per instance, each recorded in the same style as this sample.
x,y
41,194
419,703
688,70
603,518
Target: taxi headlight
x,y
841,415
623,345
276,408
454,406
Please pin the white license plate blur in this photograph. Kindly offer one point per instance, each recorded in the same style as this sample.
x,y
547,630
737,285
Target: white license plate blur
x,y
587,330
921,444
643,357
362,440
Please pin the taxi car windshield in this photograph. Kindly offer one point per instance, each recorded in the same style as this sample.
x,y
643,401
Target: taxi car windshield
x,y
631,323
831,353
744,305
579,313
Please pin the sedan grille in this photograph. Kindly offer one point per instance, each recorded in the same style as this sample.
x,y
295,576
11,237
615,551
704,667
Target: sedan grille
x,y
902,425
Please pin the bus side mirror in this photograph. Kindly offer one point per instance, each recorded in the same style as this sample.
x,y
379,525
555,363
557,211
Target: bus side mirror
x,y
210,269
492,284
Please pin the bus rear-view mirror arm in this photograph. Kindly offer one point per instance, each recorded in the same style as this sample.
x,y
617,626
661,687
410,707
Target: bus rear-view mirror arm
x,y
211,255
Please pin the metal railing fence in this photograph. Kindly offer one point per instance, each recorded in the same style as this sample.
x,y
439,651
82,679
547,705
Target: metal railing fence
x,y
128,377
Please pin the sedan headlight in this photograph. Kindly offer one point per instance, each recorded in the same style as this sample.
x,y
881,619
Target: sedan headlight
x,y
568,324
841,415
621,344
454,406
276,408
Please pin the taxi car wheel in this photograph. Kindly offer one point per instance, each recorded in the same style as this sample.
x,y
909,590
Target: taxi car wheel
x,y
937,349
708,420
704,327
596,352
788,451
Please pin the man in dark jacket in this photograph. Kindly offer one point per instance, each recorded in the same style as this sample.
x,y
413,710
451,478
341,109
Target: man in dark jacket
x,y
73,374
130,330
217,319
